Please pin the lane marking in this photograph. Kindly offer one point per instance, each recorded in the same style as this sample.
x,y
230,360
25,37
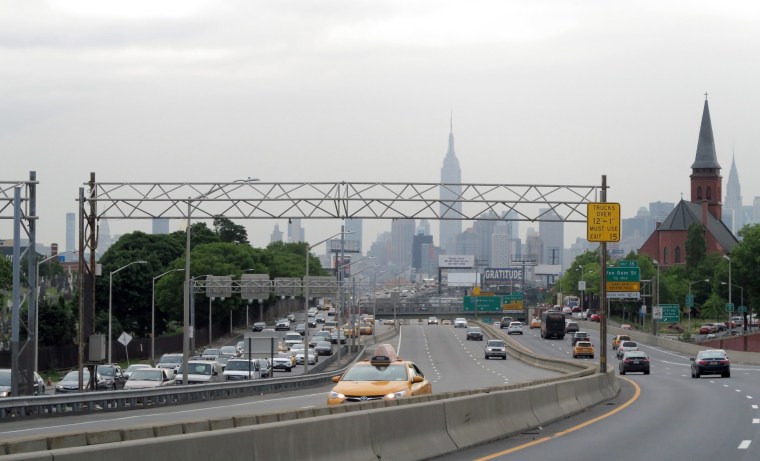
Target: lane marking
x,y
755,420
754,407
623,406
744,445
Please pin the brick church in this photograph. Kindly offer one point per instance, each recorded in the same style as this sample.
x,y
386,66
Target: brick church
x,y
667,244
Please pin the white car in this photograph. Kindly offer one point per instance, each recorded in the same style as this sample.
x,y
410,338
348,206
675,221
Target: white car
x,y
460,322
626,346
199,372
291,339
239,369
313,358
147,378
515,328
134,367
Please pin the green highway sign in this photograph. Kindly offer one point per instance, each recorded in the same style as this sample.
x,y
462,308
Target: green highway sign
x,y
729,307
627,263
512,302
689,300
483,303
623,274
668,313
742,309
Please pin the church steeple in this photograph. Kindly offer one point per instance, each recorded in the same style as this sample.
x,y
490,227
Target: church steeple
x,y
706,181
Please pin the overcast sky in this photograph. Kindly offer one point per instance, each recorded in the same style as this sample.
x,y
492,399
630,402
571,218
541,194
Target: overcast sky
x,y
543,92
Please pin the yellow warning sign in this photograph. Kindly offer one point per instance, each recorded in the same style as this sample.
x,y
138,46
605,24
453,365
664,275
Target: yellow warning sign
x,y
603,222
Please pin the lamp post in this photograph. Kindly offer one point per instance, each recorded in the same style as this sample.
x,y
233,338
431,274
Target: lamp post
x,y
191,320
374,302
583,286
110,301
153,315
352,305
728,258
690,297
741,299
37,309
306,303
654,321
247,305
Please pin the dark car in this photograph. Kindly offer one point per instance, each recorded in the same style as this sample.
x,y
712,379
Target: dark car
x,y
70,382
258,326
301,329
323,348
634,361
571,327
113,375
580,336
711,362
474,334
505,322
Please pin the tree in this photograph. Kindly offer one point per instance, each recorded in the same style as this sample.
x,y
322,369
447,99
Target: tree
x,y
696,247
55,325
200,234
229,231
745,260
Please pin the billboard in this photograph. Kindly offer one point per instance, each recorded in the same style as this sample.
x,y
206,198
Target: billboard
x,y
504,274
349,246
456,261
463,279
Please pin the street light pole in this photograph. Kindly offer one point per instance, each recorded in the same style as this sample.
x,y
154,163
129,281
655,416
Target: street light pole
x,y
690,297
729,288
306,302
110,301
153,315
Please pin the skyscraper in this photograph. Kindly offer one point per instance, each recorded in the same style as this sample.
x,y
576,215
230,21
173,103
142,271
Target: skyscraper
x,y
551,231
451,189
355,227
296,233
71,233
276,235
733,214
402,238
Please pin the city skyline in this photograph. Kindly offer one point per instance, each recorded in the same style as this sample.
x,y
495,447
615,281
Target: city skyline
x,y
544,93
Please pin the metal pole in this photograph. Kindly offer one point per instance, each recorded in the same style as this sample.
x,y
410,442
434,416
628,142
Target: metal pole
x,y
210,336
730,289
306,313
153,323
16,302
187,333
110,311
602,290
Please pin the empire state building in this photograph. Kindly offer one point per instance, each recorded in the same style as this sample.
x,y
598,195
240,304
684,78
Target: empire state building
x,y
451,189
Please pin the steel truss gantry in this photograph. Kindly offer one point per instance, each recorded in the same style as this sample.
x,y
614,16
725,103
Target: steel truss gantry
x,y
18,201
252,199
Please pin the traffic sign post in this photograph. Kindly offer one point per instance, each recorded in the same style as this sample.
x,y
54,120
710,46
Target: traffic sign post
x,y
482,303
623,282
729,307
689,300
668,313
742,309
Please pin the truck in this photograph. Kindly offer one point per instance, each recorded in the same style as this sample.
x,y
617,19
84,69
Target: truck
x,y
553,325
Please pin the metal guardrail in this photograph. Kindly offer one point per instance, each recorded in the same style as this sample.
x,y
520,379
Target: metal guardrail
x,y
102,401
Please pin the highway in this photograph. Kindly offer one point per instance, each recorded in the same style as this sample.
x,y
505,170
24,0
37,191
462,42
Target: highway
x,y
447,359
664,415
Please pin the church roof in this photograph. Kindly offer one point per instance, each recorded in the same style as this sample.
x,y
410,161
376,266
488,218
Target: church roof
x,y
706,156
688,213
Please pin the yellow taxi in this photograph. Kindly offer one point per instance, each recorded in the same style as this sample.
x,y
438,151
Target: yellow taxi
x,y
350,332
535,323
619,339
583,349
383,376
365,329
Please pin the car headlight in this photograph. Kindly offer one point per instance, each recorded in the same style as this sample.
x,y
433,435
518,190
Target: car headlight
x,y
59,386
396,395
336,395
5,393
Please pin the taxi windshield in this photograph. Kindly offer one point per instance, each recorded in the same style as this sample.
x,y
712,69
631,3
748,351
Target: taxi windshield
x,y
393,372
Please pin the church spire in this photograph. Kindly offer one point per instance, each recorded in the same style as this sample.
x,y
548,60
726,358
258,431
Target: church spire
x,y
706,156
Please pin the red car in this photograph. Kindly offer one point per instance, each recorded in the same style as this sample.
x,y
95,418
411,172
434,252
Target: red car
x,y
595,318
706,329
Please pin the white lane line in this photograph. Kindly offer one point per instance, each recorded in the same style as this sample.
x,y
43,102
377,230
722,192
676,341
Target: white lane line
x,y
744,445
749,396
754,407
755,420
738,390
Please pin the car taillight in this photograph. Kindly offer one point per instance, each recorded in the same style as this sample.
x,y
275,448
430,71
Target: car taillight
x,y
703,362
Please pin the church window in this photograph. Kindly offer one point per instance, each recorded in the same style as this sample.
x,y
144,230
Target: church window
x,y
677,255
708,193
665,256
699,192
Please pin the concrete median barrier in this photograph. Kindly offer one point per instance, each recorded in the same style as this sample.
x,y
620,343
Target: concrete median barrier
x,y
476,419
545,403
410,432
567,398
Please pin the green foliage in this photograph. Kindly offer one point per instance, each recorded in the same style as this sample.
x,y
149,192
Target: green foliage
x,y
6,274
229,231
745,259
56,318
696,247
